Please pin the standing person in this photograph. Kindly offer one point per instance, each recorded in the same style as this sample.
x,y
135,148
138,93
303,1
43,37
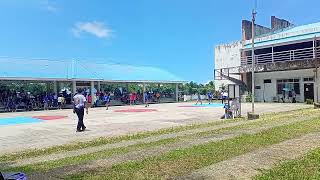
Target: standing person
x,y
134,98
131,98
106,100
89,99
283,95
146,98
224,96
55,100
79,103
63,101
60,101
210,97
46,102
290,96
221,95
199,98
294,95
158,97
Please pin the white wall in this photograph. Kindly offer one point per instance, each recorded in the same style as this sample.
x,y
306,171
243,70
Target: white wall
x,y
226,56
274,76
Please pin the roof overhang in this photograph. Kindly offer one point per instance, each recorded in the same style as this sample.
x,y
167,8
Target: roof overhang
x,y
299,33
89,80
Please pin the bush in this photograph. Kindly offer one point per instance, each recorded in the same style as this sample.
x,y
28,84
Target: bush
x,y
249,98
309,101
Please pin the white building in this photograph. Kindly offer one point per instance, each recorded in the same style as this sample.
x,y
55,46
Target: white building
x,y
285,61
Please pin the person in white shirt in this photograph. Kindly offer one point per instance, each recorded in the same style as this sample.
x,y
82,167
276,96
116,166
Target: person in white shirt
x,y
79,103
60,101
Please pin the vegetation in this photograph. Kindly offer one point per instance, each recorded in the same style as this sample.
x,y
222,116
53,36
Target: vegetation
x,y
35,88
309,101
249,97
47,165
182,161
178,162
105,140
188,88
192,88
306,167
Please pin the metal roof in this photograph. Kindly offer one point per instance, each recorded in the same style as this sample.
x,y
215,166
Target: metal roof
x,y
291,34
42,69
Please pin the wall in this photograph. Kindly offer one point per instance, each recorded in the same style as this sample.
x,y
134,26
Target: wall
x,y
317,87
247,30
227,55
277,23
274,76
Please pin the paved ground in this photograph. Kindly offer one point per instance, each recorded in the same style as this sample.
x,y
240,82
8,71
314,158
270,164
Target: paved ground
x,y
109,123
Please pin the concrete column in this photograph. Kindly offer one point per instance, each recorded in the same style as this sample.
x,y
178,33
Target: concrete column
x,y
74,87
272,54
177,92
143,91
92,89
316,86
314,48
99,86
55,87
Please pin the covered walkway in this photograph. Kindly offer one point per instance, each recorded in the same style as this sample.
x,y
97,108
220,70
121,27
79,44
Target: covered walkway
x,y
94,77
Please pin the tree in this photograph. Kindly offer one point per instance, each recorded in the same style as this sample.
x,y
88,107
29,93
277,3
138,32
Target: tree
x,y
192,88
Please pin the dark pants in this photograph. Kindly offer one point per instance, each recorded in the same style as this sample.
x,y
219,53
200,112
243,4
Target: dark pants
x,y
80,114
294,100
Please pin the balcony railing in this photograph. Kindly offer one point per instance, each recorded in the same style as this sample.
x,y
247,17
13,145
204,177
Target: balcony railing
x,y
292,55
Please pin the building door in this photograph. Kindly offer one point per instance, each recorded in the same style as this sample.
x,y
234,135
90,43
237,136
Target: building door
x,y
268,90
308,91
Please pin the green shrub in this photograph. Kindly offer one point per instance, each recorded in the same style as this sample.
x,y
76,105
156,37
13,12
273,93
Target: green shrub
x,y
249,98
309,101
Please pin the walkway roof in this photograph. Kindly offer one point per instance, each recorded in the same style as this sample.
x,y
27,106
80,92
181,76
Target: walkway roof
x,y
66,70
291,34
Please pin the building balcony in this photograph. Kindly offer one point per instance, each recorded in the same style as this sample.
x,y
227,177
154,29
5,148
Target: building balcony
x,y
283,56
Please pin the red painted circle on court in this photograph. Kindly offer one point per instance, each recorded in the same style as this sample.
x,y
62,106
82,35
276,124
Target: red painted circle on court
x,y
136,110
47,118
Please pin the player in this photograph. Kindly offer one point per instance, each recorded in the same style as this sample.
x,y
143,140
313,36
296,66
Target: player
x,y
210,97
106,100
79,104
199,98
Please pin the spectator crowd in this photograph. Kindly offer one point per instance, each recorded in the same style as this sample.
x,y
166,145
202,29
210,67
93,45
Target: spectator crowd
x,y
12,100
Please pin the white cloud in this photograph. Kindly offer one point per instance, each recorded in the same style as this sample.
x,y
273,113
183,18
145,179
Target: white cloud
x,y
95,28
49,6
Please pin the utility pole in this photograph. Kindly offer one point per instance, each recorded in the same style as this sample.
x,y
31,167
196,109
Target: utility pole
x,y
253,58
316,69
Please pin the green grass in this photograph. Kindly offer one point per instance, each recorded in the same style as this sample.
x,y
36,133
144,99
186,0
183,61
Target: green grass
x,y
306,167
264,120
105,140
47,165
184,161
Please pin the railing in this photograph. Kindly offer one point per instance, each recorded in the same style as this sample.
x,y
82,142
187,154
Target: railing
x,y
292,55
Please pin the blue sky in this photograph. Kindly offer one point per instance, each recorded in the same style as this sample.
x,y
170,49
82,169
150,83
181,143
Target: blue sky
x,y
176,35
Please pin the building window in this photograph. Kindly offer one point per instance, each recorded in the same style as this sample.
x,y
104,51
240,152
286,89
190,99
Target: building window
x,y
267,81
311,79
287,85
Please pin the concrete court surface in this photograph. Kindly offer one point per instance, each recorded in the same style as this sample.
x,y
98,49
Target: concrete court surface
x,y
102,122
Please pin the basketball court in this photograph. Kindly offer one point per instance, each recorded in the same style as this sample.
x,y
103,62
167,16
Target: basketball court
x,y
37,129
